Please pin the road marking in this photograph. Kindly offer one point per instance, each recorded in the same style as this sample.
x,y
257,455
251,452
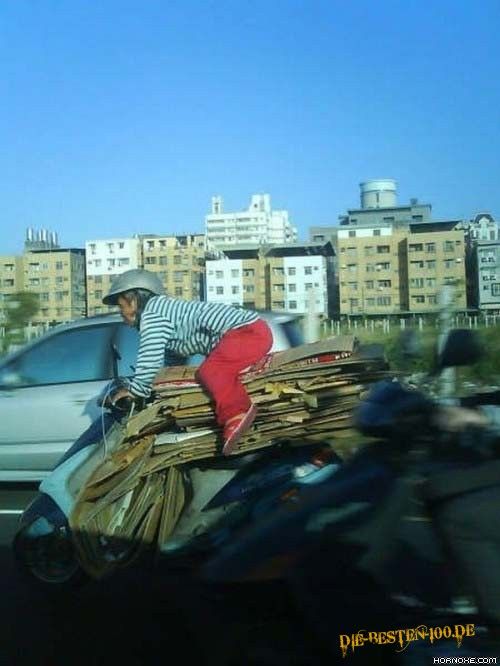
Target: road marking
x,y
11,511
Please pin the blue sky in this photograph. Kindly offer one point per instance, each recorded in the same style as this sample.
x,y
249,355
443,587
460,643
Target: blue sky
x,y
126,116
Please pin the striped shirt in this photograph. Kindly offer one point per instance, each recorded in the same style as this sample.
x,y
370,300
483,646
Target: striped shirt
x,y
172,327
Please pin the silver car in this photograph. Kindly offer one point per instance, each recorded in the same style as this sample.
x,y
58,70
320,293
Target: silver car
x,y
49,388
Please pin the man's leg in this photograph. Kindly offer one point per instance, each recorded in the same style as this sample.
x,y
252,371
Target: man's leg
x,y
219,373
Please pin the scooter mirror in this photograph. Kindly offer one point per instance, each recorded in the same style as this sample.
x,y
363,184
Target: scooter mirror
x,y
462,347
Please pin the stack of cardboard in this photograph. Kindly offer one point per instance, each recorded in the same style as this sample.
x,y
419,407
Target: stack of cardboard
x,y
135,496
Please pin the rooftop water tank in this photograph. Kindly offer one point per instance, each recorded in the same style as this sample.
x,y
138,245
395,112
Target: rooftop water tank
x,y
379,193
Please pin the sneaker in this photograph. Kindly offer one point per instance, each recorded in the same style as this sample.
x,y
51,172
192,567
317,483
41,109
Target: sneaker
x,y
235,429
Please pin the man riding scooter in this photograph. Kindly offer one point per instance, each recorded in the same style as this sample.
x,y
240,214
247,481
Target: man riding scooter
x,y
231,338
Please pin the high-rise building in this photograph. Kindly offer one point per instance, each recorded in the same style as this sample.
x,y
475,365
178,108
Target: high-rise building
x,y
258,225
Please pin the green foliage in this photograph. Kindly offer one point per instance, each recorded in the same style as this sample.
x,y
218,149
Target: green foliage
x,y
20,308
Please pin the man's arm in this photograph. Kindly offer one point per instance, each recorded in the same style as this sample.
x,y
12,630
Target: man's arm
x,y
155,334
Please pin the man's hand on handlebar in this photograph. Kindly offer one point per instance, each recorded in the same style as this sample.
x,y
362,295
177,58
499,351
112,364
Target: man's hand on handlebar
x,y
458,419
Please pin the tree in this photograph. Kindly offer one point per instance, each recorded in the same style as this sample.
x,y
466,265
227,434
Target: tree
x,y
20,308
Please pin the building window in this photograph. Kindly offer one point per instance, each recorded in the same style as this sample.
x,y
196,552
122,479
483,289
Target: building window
x,y
495,289
417,283
308,270
92,248
98,294
277,270
354,302
98,279
370,268
44,296
178,291
59,280
150,245
352,268
121,246
416,264
177,259
219,291
97,263
352,233
59,265
369,250
376,232
430,282
370,302
384,300
291,270
432,299
308,286
163,260
383,249
369,284
249,272
292,305
292,287
384,284
448,246
384,266
352,251
418,299
431,264
219,274
150,260
430,247
416,247
449,263
235,272
235,290
249,289
124,261
111,263
353,286
278,287
111,247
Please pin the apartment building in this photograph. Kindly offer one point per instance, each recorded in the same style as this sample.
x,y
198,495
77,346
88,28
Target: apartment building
x,y
435,257
369,260
292,278
178,261
258,225
11,280
57,276
106,259
239,278
488,275
388,270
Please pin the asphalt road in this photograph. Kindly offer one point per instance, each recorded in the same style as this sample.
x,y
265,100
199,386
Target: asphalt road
x,y
139,617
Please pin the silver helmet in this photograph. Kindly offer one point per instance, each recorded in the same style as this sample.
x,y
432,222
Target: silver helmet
x,y
136,278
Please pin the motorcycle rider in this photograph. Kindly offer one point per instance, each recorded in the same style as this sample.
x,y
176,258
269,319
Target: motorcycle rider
x,y
231,338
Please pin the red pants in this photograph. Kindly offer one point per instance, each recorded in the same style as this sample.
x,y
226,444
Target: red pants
x,y
218,374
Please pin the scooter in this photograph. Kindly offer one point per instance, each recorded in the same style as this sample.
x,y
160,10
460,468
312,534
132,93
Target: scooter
x,y
361,549
225,493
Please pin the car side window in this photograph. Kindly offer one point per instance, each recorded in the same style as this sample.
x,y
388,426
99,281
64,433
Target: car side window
x,y
77,355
